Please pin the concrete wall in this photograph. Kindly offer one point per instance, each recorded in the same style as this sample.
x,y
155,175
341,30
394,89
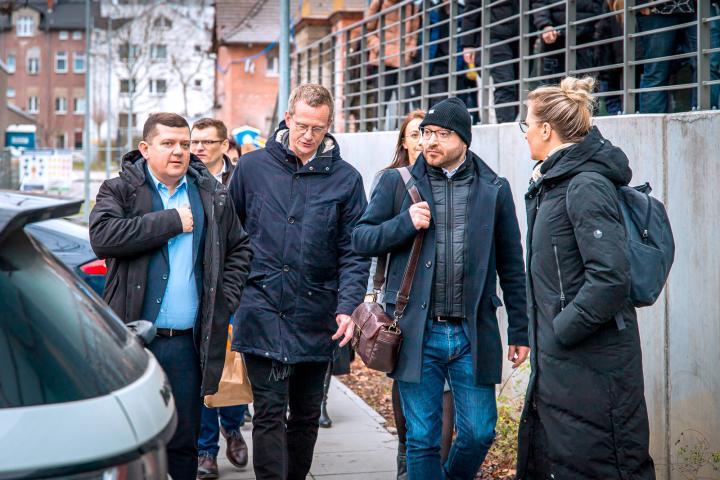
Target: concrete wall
x,y
680,156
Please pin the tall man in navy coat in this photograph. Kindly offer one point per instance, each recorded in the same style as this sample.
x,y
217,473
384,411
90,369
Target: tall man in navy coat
x,y
300,202
450,331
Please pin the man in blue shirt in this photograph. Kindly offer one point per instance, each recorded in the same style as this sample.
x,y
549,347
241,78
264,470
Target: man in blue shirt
x,y
177,256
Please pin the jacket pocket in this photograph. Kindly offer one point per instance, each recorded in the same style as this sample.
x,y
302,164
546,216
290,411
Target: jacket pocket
x,y
320,240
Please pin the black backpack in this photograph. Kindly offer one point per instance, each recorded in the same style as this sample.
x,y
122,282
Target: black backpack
x,y
650,242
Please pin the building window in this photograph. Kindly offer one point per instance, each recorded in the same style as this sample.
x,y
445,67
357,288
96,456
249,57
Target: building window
x,y
198,83
125,86
61,62
79,105
272,69
158,52
162,22
25,26
79,62
77,35
64,35
32,104
158,87
11,93
33,65
129,51
10,63
78,140
61,140
60,105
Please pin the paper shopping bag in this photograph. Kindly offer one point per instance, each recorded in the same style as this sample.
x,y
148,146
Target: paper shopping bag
x,y
234,387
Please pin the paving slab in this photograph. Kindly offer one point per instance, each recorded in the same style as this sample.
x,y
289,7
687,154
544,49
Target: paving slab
x,y
356,447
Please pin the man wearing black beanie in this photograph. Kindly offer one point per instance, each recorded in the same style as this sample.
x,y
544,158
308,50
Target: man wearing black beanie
x,y
450,330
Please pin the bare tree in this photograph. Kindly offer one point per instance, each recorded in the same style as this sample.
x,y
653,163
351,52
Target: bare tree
x,y
186,63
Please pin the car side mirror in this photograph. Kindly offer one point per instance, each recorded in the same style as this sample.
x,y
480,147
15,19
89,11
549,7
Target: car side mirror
x,y
144,330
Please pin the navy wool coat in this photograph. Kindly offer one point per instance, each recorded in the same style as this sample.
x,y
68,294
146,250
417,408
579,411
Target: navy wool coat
x,y
492,248
300,220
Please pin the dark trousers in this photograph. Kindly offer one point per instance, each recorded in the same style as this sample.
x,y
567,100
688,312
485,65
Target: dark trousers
x,y
179,359
663,44
283,445
502,74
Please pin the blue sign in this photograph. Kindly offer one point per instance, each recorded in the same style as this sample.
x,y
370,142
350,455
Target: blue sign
x,y
25,140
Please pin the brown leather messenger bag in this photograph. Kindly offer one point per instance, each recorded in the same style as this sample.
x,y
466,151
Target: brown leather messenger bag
x,y
378,337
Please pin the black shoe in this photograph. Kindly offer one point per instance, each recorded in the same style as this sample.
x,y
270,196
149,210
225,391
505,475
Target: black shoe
x,y
325,420
402,462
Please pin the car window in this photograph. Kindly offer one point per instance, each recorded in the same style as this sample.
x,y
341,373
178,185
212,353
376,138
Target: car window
x,y
58,341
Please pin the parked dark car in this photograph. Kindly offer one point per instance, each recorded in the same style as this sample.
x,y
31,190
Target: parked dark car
x,y
80,398
70,243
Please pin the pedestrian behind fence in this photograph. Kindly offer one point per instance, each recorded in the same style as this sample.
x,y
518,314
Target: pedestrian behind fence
x,y
450,331
552,23
209,142
299,201
585,414
177,256
504,52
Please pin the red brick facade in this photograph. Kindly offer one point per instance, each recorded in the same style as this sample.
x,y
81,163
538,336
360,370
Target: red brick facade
x,y
51,94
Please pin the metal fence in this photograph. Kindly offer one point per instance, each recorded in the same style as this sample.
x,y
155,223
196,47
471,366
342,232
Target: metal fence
x,y
410,55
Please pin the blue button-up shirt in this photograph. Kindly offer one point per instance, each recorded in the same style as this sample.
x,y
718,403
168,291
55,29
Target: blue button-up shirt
x,y
180,303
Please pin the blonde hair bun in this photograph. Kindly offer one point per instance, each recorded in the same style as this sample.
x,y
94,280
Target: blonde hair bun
x,y
579,90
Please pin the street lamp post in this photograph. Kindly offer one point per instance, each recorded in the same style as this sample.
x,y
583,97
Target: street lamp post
x,y
284,91
87,151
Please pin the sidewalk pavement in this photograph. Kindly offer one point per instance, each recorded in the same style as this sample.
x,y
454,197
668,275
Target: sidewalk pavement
x,y
357,447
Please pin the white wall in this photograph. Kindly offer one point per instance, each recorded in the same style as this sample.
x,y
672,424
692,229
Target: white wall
x,y
680,156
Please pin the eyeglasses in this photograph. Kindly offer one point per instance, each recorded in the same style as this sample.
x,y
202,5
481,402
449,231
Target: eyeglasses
x,y
415,136
441,135
302,129
205,143
525,126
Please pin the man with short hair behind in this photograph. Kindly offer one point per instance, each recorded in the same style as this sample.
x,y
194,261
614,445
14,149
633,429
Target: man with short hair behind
x,y
299,202
177,256
450,331
209,142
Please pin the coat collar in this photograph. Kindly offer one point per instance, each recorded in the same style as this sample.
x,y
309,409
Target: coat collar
x,y
133,171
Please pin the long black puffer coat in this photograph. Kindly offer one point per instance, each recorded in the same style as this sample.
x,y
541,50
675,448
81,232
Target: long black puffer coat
x,y
585,414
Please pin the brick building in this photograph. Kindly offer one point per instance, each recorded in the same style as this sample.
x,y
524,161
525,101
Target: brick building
x,y
245,40
43,47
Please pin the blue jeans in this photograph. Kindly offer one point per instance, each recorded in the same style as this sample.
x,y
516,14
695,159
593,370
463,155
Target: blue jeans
x,y
663,44
231,419
446,356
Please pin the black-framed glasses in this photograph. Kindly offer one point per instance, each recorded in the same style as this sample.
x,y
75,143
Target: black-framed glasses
x,y
523,126
442,135
205,143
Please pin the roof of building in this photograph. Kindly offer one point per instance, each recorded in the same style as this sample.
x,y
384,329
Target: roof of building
x,y
65,14
249,21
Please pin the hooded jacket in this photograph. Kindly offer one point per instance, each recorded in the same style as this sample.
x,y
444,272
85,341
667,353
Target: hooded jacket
x,y
585,407
126,231
299,218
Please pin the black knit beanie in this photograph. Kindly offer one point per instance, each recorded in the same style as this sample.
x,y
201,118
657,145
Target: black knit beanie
x,y
451,114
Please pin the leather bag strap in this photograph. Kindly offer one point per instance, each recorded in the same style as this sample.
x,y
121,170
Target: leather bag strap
x,y
403,295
